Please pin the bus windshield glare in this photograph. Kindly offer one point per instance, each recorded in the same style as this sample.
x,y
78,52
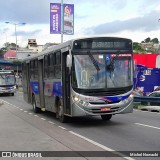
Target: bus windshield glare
x,y
102,71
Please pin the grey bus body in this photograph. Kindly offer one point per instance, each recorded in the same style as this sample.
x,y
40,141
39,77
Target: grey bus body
x,y
81,77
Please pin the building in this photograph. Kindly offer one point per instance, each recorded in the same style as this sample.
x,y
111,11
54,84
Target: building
x,y
10,55
147,46
32,45
22,53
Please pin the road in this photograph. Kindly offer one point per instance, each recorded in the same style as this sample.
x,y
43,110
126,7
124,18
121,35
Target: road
x,y
137,131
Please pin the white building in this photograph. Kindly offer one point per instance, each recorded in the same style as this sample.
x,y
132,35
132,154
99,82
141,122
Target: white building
x,y
32,44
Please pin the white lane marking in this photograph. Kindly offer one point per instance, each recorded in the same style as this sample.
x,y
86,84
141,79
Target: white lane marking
x,y
100,145
51,122
43,119
25,111
147,125
21,109
36,115
30,113
62,127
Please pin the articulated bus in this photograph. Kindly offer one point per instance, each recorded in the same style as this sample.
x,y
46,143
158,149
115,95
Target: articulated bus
x,y
82,77
7,82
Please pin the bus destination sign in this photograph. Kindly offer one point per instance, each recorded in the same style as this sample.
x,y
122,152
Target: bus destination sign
x,y
102,44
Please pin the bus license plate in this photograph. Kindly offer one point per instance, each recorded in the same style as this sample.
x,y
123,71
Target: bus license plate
x,y
105,109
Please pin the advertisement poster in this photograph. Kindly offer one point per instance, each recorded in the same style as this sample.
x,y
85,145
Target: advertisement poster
x,y
55,18
68,26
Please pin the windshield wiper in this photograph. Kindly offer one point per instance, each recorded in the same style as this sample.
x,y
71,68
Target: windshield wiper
x,y
95,63
111,65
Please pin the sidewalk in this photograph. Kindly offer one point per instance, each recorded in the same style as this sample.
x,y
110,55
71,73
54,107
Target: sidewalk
x,y
21,131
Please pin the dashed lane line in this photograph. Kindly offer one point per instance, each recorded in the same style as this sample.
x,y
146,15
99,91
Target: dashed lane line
x,y
62,127
43,119
144,125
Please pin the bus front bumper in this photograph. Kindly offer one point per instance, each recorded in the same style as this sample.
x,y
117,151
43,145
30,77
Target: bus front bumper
x,y
97,110
4,90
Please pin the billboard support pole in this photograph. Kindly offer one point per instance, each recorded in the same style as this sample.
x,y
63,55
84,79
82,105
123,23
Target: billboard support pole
x,y
62,21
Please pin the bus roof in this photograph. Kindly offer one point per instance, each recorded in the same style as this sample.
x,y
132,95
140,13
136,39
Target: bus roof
x,y
69,44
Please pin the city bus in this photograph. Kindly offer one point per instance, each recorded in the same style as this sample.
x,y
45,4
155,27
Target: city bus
x,y
7,82
81,77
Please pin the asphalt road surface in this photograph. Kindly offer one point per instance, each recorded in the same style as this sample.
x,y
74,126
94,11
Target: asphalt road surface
x,y
137,131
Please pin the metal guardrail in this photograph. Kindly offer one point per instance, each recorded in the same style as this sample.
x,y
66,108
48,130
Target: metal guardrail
x,y
146,99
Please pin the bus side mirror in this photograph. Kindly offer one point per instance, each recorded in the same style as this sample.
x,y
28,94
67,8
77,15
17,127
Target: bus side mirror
x,y
69,61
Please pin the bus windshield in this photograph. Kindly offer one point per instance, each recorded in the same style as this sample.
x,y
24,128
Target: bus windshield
x,y
7,79
102,71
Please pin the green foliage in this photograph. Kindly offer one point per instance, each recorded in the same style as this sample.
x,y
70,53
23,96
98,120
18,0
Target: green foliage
x,y
147,40
137,48
155,40
16,61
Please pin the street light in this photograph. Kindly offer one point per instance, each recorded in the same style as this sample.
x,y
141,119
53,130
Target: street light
x,y
15,24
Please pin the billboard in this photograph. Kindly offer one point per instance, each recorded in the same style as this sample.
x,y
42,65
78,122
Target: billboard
x,y
55,18
68,19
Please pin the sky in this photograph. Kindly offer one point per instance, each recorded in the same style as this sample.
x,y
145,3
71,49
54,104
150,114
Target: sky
x,y
133,19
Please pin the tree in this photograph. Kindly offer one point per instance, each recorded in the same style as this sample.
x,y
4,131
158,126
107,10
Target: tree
x,y
147,40
137,48
155,40
16,61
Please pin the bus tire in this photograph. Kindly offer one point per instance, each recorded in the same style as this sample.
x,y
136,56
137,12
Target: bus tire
x,y
35,108
106,117
12,94
60,114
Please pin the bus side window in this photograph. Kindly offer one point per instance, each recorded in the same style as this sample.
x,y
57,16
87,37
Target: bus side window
x,y
58,65
36,69
32,69
46,72
51,65
58,58
24,73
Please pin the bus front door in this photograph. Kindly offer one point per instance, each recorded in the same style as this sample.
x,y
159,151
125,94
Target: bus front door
x,y
66,85
41,84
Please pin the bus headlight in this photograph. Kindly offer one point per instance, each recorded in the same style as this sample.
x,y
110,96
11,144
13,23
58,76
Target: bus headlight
x,y
75,98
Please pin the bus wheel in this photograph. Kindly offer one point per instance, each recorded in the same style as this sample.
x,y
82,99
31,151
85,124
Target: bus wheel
x,y
35,108
12,94
60,113
106,117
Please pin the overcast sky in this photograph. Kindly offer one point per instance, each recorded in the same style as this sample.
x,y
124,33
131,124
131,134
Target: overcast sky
x,y
134,19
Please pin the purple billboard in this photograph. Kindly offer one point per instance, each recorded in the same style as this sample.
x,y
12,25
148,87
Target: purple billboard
x,y
55,18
